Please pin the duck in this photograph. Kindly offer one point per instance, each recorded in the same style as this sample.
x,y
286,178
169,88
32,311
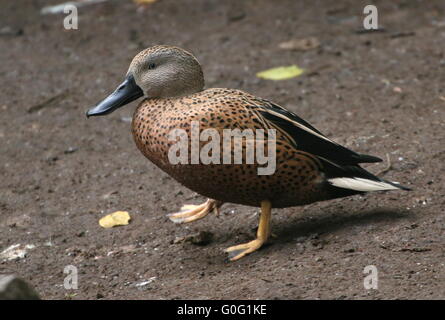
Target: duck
x,y
307,166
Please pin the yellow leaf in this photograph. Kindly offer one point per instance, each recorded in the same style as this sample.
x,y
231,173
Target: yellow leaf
x,y
144,1
281,73
118,218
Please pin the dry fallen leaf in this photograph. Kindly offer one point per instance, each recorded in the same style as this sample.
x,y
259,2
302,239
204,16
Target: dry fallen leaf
x,y
280,73
142,2
118,218
300,44
59,8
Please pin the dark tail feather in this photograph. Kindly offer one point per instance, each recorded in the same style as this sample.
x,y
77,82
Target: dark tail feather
x,y
365,158
355,179
395,184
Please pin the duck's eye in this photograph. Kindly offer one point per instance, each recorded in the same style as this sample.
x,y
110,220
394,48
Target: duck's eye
x,y
151,66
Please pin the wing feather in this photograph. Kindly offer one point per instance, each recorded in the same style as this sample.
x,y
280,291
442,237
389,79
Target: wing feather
x,y
307,138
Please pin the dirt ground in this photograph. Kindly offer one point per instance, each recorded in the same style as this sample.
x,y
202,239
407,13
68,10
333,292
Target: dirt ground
x,y
379,93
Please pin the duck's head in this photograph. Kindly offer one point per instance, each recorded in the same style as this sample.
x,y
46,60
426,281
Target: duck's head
x,y
156,72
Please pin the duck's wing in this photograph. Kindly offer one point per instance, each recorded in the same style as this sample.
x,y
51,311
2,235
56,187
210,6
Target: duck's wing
x,y
341,165
307,138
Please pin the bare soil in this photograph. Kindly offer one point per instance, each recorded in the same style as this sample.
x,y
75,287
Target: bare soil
x,y
380,93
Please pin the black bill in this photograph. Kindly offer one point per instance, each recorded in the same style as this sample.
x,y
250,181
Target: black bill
x,y
124,94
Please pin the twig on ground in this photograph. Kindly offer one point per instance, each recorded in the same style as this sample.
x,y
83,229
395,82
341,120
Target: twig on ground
x,y
388,166
47,102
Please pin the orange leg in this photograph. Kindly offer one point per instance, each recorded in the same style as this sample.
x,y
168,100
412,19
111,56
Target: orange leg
x,y
263,233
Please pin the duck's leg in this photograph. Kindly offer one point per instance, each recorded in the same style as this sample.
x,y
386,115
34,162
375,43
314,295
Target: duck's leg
x,y
190,212
263,233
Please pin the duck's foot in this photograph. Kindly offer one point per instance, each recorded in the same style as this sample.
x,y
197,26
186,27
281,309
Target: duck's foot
x,y
190,212
239,251
263,233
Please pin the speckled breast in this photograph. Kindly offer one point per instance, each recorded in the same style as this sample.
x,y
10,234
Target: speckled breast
x,y
296,180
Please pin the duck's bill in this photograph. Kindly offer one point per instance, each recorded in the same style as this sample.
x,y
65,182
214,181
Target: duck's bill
x,y
124,94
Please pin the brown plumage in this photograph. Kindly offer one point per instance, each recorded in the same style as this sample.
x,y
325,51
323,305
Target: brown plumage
x,y
296,181
309,166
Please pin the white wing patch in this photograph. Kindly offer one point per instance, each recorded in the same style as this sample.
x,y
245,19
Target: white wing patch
x,y
361,184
